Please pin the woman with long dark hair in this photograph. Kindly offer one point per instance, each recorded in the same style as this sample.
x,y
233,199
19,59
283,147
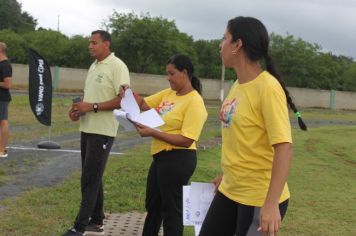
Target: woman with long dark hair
x,y
252,193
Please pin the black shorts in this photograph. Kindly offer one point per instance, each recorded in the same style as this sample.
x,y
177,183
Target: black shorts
x,y
4,110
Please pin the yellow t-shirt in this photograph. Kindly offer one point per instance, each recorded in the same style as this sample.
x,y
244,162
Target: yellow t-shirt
x,y
102,84
254,117
184,115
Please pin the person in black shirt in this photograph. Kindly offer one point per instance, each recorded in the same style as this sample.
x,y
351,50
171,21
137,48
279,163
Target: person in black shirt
x,y
5,98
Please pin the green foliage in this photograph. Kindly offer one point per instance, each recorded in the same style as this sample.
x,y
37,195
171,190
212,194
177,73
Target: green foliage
x,y
12,17
49,44
321,174
209,63
16,45
57,48
302,64
349,78
146,42
76,53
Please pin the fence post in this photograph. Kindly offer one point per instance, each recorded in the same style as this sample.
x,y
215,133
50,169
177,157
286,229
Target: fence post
x,y
56,78
332,99
222,83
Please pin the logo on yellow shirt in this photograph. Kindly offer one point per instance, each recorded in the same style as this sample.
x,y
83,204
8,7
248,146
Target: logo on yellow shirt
x,y
227,111
164,107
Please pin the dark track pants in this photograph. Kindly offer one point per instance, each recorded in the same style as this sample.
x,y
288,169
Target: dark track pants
x,y
226,217
95,150
169,171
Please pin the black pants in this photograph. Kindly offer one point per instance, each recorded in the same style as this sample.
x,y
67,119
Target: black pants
x,y
226,217
95,150
169,171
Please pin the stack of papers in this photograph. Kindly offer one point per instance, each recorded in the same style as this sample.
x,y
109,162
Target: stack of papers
x,y
130,112
196,202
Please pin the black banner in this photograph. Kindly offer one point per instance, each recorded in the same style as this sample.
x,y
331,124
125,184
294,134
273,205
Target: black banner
x,y
40,87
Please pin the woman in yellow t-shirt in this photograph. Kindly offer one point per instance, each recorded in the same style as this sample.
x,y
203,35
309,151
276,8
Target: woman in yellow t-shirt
x,y
252,193
173,147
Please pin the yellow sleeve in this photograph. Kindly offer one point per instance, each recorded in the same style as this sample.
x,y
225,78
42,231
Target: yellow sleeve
x,y
154,100
275,114
194,119
121,76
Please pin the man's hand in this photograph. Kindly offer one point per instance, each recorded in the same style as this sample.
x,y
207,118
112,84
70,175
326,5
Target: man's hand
x,y
122,90
82,107
73,115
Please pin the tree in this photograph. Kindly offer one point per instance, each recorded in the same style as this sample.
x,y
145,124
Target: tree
x,y
349,78
294,59
209,63
145,43
17,46
303,64
76,52
50,44
12,17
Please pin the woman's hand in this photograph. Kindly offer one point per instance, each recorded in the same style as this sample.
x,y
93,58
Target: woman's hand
x,y
270,219
270,216
144,131
217,182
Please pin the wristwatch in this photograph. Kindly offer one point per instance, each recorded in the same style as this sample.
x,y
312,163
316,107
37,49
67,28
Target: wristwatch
x,y
95,107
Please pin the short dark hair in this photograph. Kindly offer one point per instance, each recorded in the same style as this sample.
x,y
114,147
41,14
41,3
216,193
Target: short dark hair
x,y
104,35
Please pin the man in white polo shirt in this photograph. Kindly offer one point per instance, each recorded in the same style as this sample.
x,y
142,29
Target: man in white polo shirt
x,y
98,128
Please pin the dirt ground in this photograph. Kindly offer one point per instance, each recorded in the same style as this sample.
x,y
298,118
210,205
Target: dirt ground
x,y
43,168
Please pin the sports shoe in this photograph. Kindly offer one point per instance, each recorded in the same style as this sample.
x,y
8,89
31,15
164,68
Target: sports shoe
x,y
3,153
94,229
73,232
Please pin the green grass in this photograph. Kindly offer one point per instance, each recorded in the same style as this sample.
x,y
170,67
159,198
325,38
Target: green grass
x,y
321,180
324,114
24,126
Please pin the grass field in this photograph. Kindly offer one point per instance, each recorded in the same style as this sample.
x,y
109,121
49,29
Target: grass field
x,y
321,180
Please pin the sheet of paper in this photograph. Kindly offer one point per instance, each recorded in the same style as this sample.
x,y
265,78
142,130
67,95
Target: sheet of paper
x,y
186,205
130,110
201,195
149,118
121,117
197,229
196,198
128,103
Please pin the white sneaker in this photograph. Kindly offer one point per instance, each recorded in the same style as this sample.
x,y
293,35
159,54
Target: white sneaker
x,y
4,154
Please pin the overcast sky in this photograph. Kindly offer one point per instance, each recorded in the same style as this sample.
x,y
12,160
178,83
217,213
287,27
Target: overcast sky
x,y
329,23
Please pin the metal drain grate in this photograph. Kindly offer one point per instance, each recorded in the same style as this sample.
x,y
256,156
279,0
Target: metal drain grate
x,y
127,224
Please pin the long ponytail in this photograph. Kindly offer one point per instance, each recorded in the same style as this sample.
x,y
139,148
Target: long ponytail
x,y
196,84
272,70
